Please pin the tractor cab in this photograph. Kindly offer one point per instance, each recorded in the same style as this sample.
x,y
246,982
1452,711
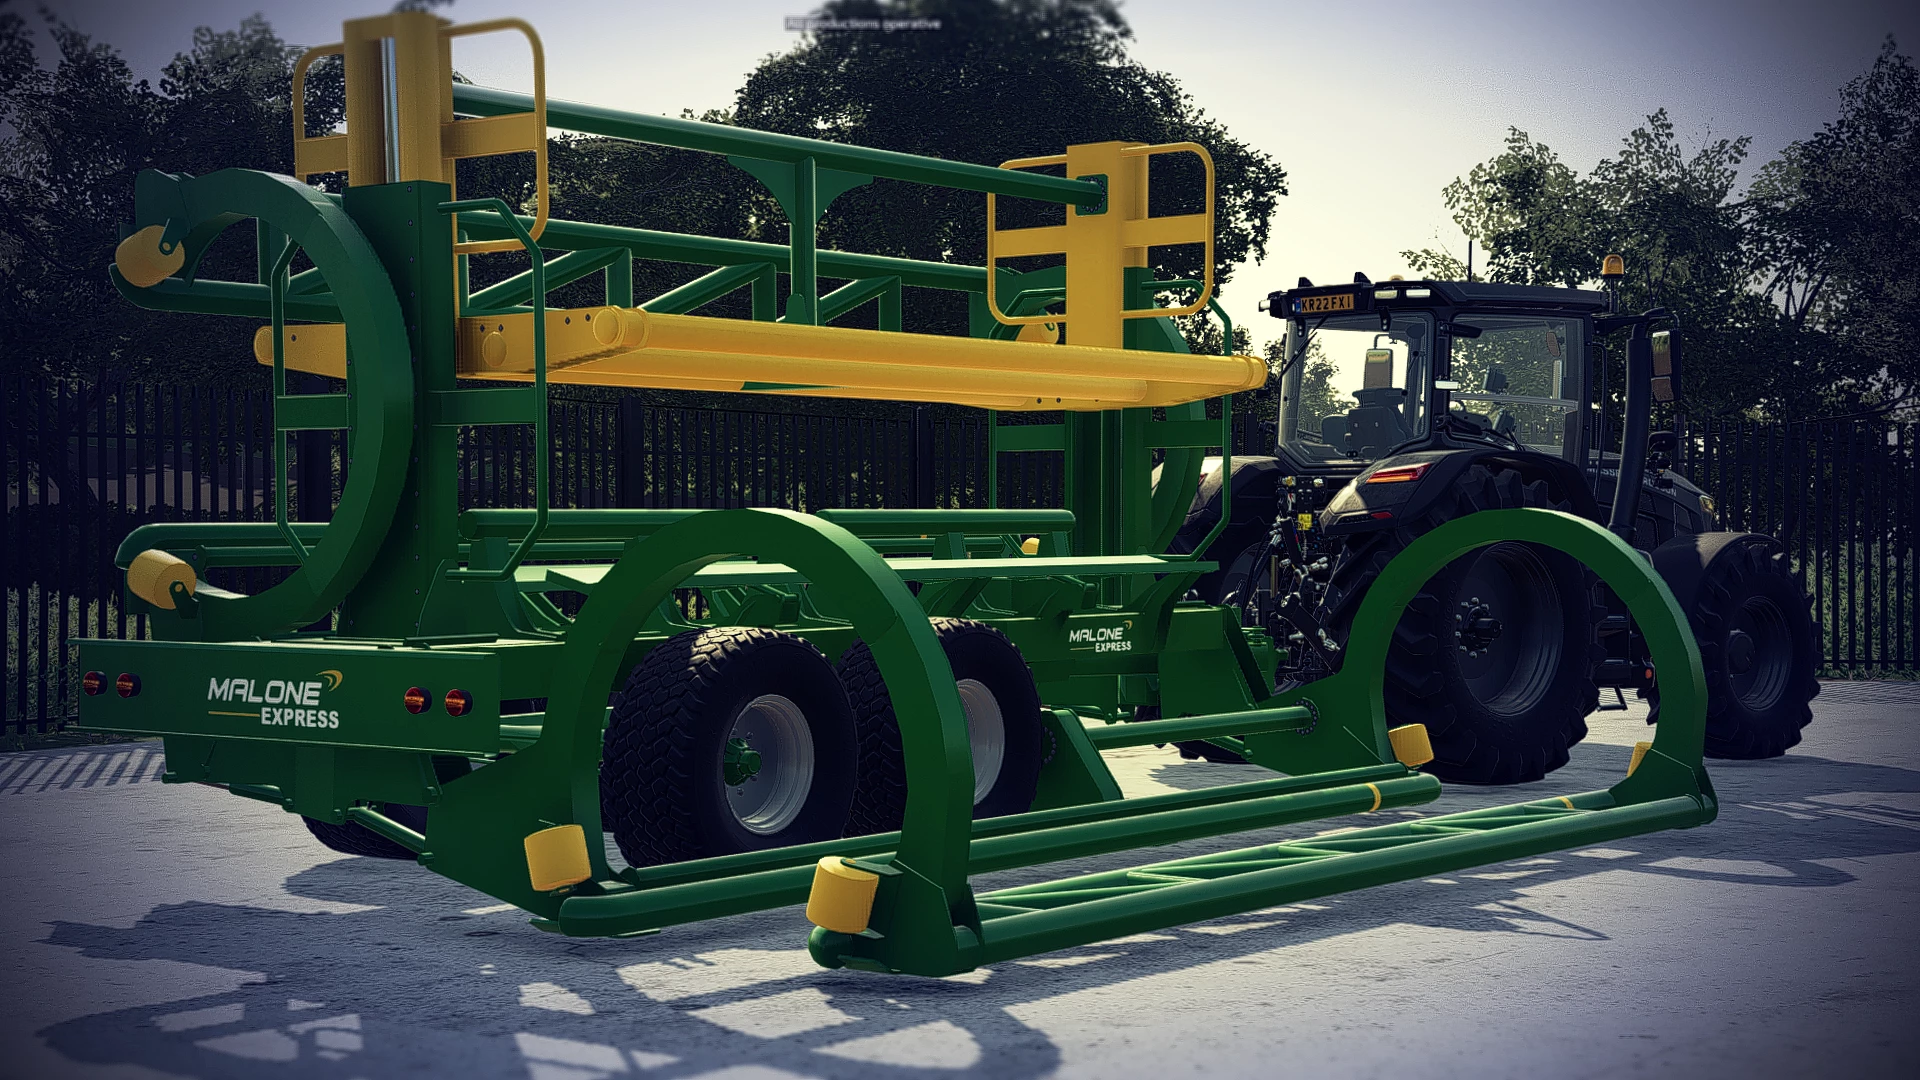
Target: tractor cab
x,y
1376,369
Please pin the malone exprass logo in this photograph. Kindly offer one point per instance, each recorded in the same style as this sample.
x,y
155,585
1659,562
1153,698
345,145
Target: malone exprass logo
x,y
1101,638
283,702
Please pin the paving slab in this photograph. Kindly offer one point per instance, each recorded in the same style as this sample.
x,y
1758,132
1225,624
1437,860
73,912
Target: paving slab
x,y
157,931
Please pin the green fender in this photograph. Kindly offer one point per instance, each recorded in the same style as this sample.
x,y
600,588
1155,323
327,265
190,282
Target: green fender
x,y
476,830
379,385
1353,699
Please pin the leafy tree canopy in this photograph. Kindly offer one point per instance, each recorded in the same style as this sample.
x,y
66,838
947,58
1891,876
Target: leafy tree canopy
x,y
1799,296
997,81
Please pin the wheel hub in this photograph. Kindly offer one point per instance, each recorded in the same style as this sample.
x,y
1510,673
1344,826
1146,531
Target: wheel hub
x,y
739,762
767,764
1474,627
1739,652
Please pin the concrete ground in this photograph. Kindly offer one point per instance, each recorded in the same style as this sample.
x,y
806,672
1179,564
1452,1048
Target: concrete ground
x,y
179,931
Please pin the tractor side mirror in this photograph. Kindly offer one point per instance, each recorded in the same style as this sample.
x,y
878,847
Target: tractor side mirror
x,y
1662,442
1666,366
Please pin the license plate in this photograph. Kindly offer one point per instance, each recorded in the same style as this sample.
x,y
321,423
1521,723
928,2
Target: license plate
x,y
1314,305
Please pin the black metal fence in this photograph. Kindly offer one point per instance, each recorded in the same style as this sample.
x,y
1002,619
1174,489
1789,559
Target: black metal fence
x,y
87,463
1842,497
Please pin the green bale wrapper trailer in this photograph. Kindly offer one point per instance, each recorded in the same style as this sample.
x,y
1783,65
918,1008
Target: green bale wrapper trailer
x,y
872,707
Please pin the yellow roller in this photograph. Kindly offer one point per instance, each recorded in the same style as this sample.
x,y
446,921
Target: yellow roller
x,y
842,896
1411,746
152,573
140,260
557,858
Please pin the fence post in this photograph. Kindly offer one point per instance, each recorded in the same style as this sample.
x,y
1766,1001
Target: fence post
x,y
922,459
628,490
313,463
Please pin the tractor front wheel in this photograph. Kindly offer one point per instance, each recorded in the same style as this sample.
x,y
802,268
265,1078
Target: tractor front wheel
x,y
1757,650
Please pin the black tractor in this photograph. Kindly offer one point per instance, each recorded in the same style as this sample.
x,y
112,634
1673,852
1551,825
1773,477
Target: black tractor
x,y
1404,404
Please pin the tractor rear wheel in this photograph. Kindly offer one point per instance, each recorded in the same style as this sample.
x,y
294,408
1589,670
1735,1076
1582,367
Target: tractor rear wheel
x,y
1756,646
727,740
1003,727
1495,654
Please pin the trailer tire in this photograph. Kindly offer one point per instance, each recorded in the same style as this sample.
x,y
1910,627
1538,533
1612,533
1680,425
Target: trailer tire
x,y
1514,721
1760,689
1003,727
350,838
675,783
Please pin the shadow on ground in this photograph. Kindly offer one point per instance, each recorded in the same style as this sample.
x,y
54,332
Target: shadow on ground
x,y
411,984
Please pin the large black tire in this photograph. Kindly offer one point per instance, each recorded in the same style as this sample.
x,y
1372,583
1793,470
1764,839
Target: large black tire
x,y
1757,649
1003,727
349,838
665,787
1502,704
1243,575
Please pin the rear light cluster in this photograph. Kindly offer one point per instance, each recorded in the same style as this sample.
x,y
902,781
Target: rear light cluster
x,y
1400,474
457,702
94,683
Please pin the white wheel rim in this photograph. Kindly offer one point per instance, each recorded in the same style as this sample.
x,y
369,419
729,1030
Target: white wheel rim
x,y
986,735
769,800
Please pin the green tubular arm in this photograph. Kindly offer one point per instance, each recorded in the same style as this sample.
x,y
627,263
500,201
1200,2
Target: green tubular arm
x,y
1670,787
562,235
381,383
724,139
556,779
223,298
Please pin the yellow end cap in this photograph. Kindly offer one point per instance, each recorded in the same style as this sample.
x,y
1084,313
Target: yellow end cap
x,y
141,261
151,574
1030,546
1411,745
557,858
1639,754
1613,266
842,896
493,349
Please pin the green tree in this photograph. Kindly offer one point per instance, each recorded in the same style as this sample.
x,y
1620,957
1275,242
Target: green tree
x,y
996,81
1689,243
1836,238
81,129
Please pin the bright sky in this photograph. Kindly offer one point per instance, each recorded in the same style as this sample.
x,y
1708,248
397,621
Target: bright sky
x,y
1372,108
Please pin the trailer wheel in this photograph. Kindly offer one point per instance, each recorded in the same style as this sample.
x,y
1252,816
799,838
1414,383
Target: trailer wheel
x,y
1756,646
1003,727
350,838
727,740
1495,654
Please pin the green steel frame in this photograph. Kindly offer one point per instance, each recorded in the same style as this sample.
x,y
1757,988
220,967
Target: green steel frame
x,y
428,596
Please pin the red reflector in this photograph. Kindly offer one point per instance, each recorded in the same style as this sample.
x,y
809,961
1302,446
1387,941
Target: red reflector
x,y
459,703
1400,474
127,685
416,700
94,683
1381,515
